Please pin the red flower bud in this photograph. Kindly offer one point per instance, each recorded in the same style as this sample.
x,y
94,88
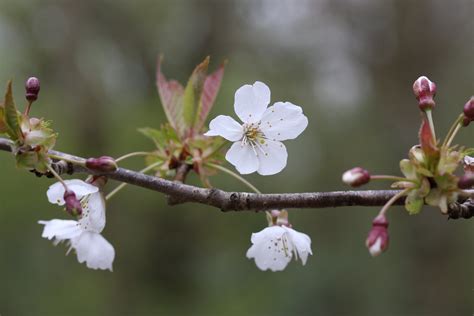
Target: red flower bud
x,y
102,164
377,240
73,206
424,90
356,177
32,87
469,109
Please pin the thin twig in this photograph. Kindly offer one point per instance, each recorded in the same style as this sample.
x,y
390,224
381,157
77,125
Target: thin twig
x,y
238,201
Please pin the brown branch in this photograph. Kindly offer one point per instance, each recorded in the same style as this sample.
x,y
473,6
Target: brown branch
x,y
241,201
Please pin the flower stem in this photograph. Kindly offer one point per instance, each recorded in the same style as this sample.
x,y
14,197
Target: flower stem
x,y
391,178
57,176
28,108
68,159
453,131
430,121
233,174
393,200
137,153
121,186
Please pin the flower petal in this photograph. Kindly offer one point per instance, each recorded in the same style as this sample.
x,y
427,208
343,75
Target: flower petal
x,y
93,213
60,229
243,157
271,249
301,243
80,188
283,120
272,156
251,101
226,127
94,250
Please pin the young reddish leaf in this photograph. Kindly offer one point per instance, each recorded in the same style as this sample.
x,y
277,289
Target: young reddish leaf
x,y
171,95
192,95
427,141
209,93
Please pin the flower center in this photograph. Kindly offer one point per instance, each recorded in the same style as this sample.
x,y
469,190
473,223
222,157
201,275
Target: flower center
x,y
254,137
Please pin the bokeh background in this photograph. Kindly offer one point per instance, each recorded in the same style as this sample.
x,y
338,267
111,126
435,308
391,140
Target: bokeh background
x,y
349,64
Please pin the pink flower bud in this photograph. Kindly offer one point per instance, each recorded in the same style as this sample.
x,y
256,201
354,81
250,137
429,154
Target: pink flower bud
x,y
32,87
466,181
469,109
356,177
377,240
466,121
424,90
102,164
73,206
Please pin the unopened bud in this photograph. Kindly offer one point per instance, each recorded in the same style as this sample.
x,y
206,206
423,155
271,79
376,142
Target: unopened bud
x,y
465,121
32,87
73,206
377,240
469,110
424,90
356,177
102,164
466,181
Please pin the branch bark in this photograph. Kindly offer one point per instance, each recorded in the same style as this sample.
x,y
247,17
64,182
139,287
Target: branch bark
x,y
243,201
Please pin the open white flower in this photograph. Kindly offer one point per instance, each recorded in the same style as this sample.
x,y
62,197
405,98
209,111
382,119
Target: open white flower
x,y
274,247
83,235
257,143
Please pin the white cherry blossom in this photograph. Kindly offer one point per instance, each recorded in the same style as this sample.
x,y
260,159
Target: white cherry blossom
x,y
257,142
84,235
273,247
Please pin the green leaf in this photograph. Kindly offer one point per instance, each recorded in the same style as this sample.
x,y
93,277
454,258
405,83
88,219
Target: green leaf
x,y
3,125
27,160
11,115
208,96
468,152
408,169
155,135
171,95
413,203
192,95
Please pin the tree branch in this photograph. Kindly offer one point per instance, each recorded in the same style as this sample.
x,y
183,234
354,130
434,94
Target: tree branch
x,y
243,201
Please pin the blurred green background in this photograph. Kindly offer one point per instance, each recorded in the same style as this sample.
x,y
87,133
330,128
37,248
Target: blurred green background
x,y
349,64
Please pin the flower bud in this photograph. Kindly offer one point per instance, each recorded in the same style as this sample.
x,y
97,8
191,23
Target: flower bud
x,y
102,164
32,87
377,240
356,177
424,90
465,121
466,181
469,109
73,206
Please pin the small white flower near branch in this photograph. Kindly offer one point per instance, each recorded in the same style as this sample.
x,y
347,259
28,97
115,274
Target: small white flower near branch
x,y
84,235
257,143
275,246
